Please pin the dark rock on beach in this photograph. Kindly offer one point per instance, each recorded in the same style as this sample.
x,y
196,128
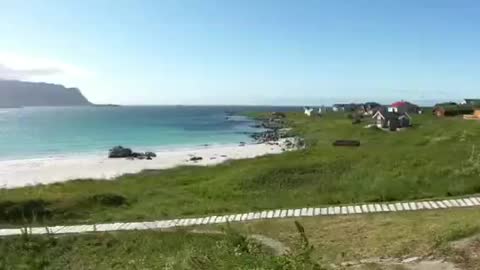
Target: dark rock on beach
x,y
120,152
136,155
195,158
150,155
266,136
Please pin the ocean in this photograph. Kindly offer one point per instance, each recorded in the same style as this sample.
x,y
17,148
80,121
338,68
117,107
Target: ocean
x,y
43,132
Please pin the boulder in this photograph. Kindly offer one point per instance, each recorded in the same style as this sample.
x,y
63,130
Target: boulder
x,y
136,155
119,152
195,158
150,154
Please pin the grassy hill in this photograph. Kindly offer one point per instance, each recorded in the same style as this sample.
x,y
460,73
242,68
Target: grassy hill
x,y
434,158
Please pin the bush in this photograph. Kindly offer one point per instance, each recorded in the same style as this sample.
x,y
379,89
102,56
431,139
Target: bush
x,y
26,211
109,199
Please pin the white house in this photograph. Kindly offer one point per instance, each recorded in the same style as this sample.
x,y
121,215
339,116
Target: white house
x,y
391,119
308,111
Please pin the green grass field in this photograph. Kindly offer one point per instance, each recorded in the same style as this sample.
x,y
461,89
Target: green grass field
x,y
435,158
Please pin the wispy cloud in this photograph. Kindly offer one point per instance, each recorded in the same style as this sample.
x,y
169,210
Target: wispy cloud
x,y
20,67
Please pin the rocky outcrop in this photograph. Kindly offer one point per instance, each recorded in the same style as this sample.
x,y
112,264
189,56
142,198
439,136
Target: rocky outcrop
x,y
278,133
122,152
15,94
275,128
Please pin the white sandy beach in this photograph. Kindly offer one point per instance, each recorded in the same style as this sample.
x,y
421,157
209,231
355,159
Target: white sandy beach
x,y
19,173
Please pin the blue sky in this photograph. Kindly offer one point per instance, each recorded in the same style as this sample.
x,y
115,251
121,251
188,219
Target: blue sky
x,y
245,52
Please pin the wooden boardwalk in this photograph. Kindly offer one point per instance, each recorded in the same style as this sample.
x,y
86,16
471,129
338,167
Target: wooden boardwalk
x,y
354,209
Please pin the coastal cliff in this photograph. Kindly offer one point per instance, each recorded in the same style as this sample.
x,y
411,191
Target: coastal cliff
x,y
24,94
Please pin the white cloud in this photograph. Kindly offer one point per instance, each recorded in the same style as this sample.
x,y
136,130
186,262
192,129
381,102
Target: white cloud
x,y
20,67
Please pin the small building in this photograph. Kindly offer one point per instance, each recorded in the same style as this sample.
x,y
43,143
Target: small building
x,y
391,119
338,107
308,111
449,109
322,109
370,108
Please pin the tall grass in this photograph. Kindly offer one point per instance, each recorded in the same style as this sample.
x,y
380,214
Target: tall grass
x,y
147,250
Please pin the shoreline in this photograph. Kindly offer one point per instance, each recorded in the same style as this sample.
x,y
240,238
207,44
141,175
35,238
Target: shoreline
x,y
104,152
29,172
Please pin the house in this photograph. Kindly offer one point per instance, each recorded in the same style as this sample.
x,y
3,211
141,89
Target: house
x,y
345,107
322,109
338,107
406,107
370,108
308,111
391,119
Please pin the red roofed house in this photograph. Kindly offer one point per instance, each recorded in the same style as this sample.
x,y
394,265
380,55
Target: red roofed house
x,y
406,107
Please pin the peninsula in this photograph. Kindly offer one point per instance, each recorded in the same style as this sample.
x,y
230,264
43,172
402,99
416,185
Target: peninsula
x,y
14,94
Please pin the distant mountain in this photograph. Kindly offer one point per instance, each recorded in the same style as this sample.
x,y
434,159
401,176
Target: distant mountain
x,y
25,94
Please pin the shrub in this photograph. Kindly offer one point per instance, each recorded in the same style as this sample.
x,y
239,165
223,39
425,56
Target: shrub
x,y
25,211
109,199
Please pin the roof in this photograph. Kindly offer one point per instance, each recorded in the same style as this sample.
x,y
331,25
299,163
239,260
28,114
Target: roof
x,y
399,104
451,103
472,101
344,104
453,108
402,104
390,115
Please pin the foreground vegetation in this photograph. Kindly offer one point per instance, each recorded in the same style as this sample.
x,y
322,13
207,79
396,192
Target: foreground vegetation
x,y
426,234
325,241
394,235
148,250
435,158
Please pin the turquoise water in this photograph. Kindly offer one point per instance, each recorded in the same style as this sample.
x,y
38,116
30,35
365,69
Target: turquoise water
x,y
46,132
